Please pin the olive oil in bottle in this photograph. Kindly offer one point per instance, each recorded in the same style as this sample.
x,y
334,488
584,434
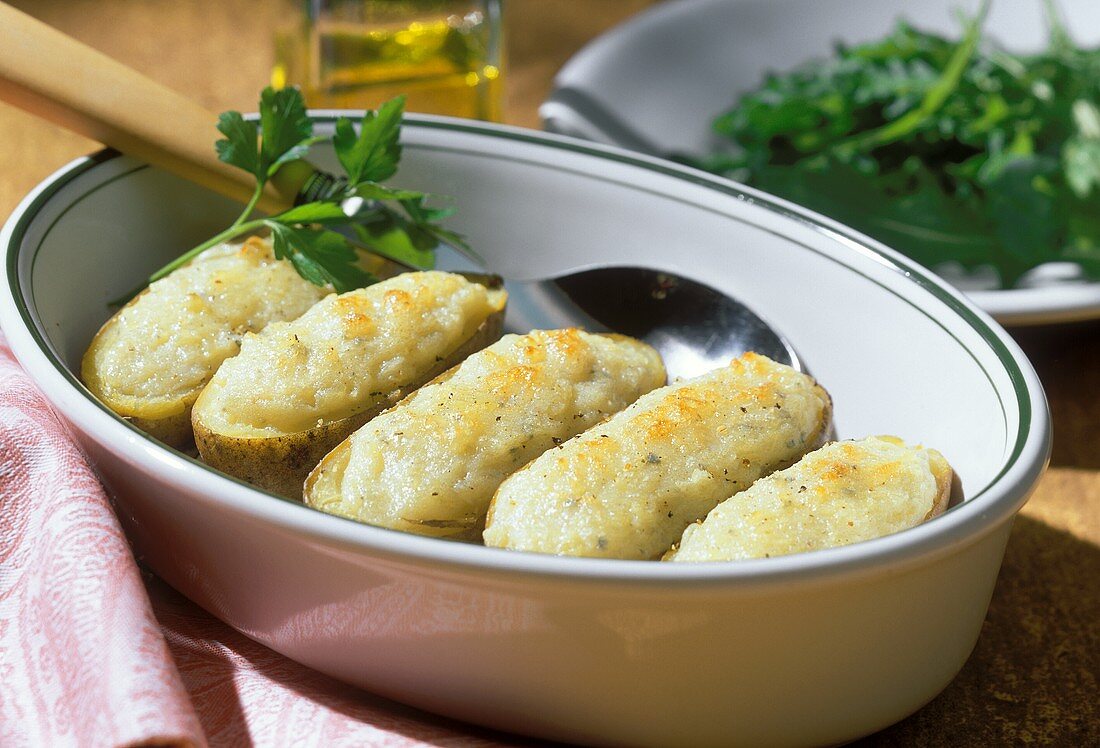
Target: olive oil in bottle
x,y
444,55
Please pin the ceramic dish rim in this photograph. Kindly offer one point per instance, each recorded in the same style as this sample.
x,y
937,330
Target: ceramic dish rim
x,y
965,523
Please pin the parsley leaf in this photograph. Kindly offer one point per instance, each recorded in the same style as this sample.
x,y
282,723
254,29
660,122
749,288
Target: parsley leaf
x,y
389,221
373,155
323,213
387,237
285,126
285,134
320,256
371,191
423,214
239,147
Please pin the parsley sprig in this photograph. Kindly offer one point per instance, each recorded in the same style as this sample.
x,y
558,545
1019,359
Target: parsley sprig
x,y
314,237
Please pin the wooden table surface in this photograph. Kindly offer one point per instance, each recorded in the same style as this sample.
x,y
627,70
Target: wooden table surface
x,y
1033,676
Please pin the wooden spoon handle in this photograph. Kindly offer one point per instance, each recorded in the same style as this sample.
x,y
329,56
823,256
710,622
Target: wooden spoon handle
x,y
53,76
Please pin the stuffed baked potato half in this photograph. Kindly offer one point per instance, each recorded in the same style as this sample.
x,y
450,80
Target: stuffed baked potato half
x,y
840,494
431,464
628,487
299,388
150,361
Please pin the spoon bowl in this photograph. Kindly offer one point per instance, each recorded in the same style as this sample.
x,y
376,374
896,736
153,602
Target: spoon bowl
x,y
694,327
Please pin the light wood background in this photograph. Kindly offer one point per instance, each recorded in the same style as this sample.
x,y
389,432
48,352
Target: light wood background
x,y
1033,676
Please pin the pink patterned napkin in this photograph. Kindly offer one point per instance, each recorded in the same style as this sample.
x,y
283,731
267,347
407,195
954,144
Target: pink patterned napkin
x,y
92,655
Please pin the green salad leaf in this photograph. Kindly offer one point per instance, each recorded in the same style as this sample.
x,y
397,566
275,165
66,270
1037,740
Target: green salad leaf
x,y
945,150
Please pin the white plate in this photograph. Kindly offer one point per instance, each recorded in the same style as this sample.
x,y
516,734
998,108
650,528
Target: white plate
x,y
655,83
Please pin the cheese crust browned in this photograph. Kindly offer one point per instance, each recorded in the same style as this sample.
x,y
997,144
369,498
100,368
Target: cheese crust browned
x,y
628,487
299,388
431,464
149,362
843,493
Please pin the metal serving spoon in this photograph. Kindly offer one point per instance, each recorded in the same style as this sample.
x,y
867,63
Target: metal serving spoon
x,y
694,327
44,72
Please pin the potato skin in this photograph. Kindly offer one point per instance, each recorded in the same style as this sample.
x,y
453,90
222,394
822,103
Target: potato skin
x,y
150,360
430,465
174,430
299,388
840,494
280,463
628,487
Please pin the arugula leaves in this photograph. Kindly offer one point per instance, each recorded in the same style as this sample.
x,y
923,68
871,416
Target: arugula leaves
x,y
946,151
314,237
